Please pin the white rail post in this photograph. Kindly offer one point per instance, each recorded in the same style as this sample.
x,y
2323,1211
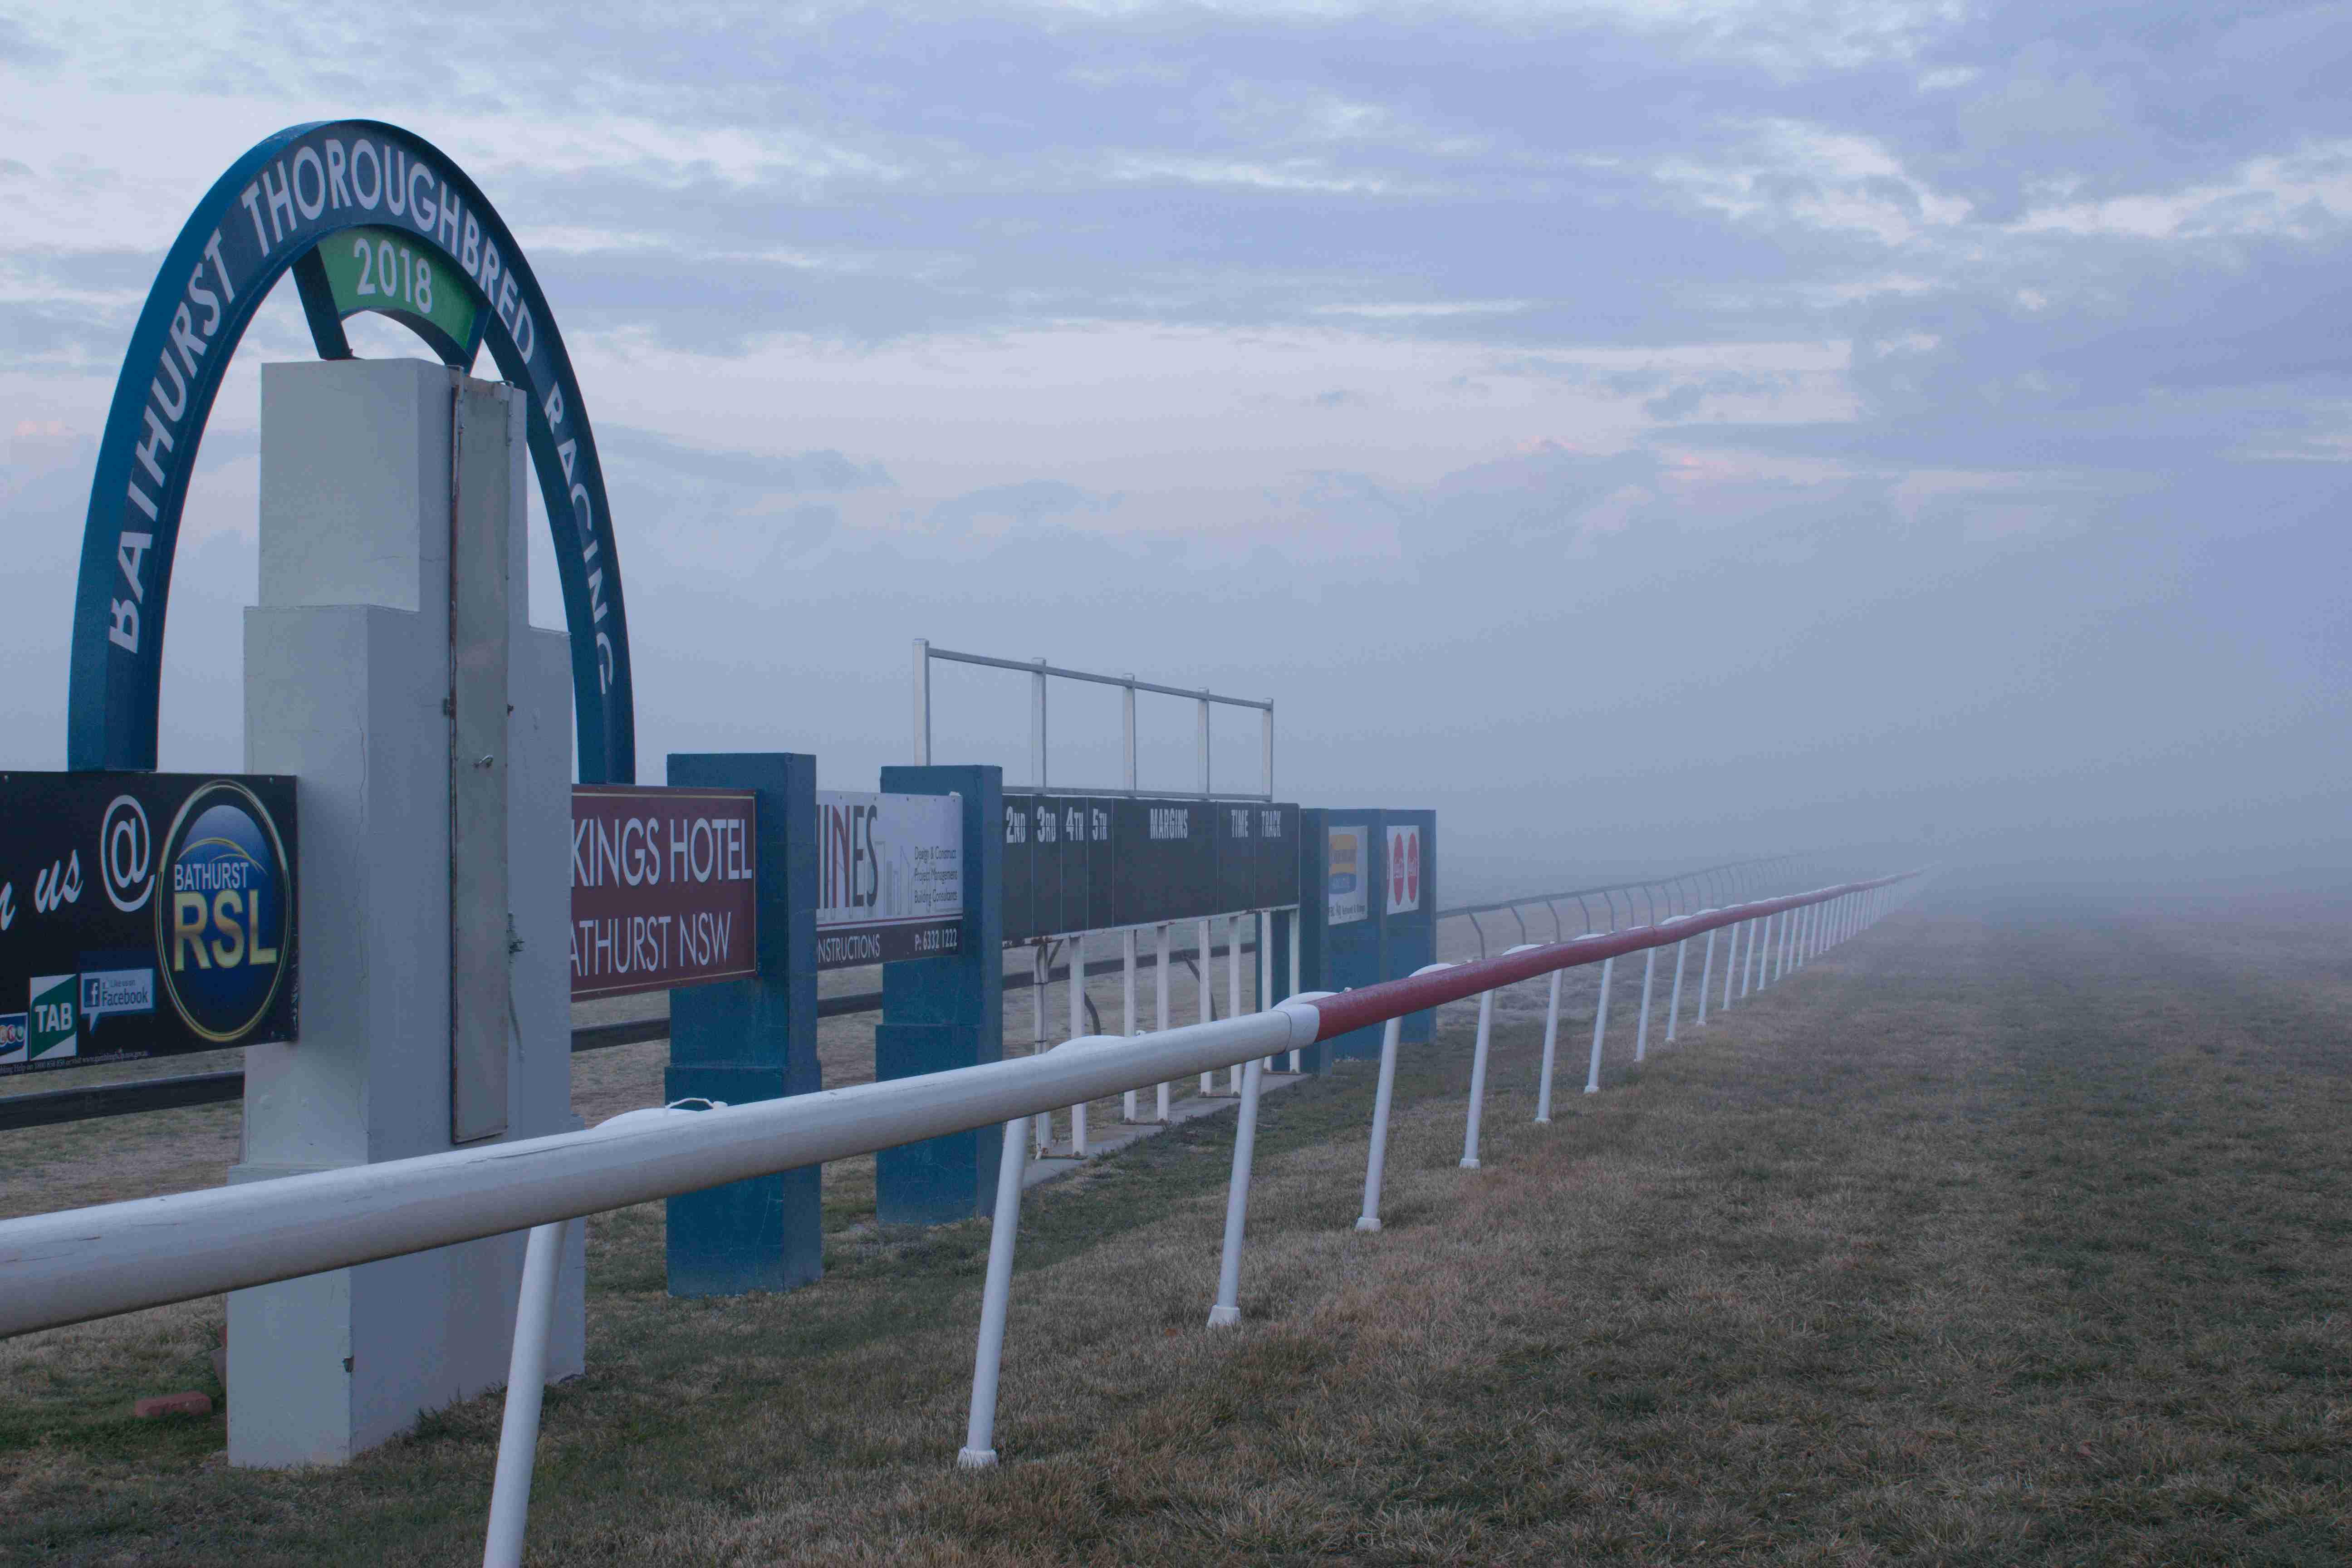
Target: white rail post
x,y
1041,968
542,1264
1266,969
1160,1095
1298,929
1234,988
1207,976
1789,941
1674,1002
922,702
1378,1157
1127,717
1268,731
1205,746
1477,1081
1078,1028
1764,957
1642,1029
1599,1025
1227,1312
1706,974
1747,964
1551,1044
988,1357
1127,937
1127,1003
1730,962
1037,724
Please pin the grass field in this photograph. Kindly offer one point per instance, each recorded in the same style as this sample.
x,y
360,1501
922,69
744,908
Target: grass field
x,y
2007,1234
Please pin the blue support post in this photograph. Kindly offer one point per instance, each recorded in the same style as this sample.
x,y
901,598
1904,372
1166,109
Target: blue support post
x,y
947,1012
1341,954
746,1040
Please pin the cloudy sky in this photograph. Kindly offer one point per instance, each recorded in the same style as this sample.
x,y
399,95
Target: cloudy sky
x,y
1643,431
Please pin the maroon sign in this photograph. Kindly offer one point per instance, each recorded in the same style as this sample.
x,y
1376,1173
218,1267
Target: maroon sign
x,y
662,888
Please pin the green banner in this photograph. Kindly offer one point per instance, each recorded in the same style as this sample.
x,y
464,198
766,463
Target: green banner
x,y
386,270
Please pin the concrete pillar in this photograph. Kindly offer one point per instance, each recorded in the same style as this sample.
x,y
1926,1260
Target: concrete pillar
x,y
347,671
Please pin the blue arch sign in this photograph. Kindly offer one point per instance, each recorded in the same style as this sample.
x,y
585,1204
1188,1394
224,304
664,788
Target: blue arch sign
x,y
367,217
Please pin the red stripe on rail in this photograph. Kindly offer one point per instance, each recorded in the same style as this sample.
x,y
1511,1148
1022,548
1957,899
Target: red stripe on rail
x,y
1377,1004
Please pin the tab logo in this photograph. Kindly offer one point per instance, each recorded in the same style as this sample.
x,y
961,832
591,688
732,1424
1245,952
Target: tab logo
x,y
49,1019
224,916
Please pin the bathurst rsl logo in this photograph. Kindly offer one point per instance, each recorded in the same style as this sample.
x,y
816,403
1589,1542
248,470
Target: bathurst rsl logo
x,y
224,912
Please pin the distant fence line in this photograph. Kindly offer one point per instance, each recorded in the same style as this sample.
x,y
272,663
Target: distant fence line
x,y
53,1108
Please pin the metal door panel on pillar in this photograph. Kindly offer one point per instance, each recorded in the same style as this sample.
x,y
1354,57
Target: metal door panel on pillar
x,y
745,1040
949,1012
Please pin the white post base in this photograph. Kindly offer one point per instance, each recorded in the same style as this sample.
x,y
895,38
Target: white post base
x,y
975,1459
1470,1165
1368,1222
1224,1316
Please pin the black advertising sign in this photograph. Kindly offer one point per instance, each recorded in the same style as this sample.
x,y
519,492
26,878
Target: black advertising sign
x,y
145,915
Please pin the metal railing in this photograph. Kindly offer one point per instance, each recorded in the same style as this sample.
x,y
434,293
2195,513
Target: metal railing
x,y
81,1264
1709,887
1038,670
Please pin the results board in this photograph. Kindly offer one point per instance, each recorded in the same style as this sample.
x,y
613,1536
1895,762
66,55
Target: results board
x,y
1075,862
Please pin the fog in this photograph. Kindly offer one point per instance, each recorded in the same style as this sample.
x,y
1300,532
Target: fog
x,y
1910,432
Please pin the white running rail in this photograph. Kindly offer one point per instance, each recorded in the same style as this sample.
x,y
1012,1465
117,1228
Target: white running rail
x,y
81,1264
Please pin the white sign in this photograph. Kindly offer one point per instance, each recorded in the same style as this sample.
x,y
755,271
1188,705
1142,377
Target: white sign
x,y
1405,870
889,877
1347,888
